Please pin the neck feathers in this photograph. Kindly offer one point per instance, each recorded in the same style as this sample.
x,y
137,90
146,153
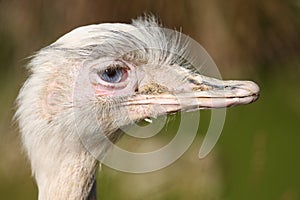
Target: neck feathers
x,y
72,178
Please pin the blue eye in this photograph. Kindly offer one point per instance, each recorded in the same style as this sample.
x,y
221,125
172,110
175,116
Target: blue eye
x,y
112,75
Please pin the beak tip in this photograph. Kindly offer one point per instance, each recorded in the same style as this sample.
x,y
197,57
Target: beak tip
x,y
246,88
253,87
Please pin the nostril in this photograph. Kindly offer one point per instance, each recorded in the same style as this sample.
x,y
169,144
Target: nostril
x,y
193,81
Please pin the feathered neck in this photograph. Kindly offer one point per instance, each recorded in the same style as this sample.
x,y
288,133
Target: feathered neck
x,y
73,178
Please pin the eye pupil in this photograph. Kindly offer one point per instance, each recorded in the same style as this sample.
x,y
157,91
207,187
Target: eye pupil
x,y
112,75
110,72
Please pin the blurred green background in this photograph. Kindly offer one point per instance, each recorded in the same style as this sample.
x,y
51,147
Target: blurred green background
x,y
257,156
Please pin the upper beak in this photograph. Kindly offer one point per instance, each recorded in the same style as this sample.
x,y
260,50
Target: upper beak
x,y
200,93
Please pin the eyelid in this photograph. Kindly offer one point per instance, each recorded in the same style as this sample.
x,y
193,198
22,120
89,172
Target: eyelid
x,y
116,65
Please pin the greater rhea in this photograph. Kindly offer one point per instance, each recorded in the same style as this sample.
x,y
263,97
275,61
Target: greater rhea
x,y
96,79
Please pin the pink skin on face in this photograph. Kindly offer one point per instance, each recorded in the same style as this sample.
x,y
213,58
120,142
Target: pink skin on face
x,y
101,91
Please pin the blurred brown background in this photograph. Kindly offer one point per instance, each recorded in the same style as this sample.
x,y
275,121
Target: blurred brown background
x,y
257,154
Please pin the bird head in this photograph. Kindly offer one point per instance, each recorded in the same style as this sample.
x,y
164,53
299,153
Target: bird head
x,y
98,78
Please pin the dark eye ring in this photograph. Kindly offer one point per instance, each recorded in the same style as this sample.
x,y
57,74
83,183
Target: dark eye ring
x,y
113,74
